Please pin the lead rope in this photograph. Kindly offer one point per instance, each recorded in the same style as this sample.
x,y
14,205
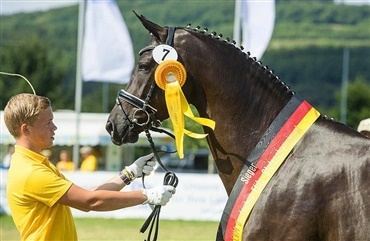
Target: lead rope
x,y
170,178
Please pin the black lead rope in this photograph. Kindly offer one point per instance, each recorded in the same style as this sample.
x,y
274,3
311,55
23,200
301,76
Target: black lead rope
x,y
170,178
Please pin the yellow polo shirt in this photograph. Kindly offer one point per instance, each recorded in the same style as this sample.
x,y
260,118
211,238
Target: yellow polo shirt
x,y
33,188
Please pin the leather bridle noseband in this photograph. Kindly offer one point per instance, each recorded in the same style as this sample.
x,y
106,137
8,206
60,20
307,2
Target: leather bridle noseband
x,y
142,106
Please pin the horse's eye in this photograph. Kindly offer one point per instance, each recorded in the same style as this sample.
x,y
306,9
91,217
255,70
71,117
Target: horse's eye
x,y
144,67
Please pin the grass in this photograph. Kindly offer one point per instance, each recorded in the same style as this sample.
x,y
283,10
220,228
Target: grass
x,y
126,229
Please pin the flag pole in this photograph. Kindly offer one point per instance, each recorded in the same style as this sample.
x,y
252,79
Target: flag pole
x,y
78,92
345,71
237,15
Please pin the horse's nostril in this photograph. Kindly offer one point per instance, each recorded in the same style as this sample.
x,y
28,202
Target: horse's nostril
x,y
109,127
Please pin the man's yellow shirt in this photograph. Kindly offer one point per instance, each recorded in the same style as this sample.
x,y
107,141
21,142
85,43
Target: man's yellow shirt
x,y
33,188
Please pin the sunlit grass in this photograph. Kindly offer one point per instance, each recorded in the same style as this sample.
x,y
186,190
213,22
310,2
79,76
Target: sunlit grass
x,y
126,229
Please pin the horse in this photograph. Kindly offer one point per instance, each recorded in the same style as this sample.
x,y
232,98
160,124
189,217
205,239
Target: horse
x,y
321,189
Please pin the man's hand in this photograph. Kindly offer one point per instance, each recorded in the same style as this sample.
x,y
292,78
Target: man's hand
x,y
144,164
159,195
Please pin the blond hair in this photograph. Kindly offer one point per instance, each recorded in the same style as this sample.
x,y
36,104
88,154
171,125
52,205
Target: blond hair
x,y
23,109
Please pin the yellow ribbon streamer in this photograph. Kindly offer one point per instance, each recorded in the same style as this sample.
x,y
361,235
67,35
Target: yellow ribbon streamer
x,y
170,75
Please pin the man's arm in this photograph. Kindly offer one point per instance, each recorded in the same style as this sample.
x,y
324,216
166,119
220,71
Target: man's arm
x,y
100,200
105,200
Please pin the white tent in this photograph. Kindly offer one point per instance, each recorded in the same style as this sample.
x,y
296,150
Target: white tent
x,y
91,132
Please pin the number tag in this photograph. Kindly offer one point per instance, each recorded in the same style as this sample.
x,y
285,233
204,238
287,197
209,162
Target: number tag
x,y
164,52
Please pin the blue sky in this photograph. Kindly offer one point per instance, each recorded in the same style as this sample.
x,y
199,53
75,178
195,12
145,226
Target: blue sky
x,y
16,6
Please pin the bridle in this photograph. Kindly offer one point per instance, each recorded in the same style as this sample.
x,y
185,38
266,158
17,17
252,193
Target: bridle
x,y
143,105
149,123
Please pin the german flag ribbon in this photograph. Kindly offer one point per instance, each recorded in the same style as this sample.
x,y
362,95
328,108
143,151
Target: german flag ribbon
x,y
271,151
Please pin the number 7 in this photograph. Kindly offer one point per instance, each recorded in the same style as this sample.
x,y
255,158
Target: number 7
x,y
166,51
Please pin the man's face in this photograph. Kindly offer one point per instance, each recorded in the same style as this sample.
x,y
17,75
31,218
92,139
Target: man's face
x,y
43,130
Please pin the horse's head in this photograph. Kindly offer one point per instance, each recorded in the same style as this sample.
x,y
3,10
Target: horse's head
x,y
142,104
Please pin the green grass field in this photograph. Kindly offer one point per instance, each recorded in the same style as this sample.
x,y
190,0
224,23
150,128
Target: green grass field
x,y
126,229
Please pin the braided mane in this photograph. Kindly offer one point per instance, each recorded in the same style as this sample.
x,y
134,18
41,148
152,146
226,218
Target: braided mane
x,y
232,44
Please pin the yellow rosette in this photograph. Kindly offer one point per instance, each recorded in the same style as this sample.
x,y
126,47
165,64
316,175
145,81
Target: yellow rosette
x,y
170,76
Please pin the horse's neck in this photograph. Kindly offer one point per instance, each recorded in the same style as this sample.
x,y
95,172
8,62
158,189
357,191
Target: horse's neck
x,y
243,102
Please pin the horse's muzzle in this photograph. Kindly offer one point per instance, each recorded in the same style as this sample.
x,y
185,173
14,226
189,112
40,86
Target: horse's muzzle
x,y
122,134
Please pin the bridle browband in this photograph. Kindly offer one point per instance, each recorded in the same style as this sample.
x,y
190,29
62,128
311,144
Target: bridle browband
x,y
151,123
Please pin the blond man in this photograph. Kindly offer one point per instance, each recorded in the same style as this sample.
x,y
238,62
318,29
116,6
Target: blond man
x,y
40,196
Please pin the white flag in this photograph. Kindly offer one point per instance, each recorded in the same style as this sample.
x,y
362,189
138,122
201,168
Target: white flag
x,y
107,52
258,20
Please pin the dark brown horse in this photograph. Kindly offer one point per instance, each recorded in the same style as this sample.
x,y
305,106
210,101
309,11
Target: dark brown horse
x,y
322,189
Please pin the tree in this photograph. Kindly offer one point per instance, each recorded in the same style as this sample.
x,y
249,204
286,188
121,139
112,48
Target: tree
x,y
33,60
358,102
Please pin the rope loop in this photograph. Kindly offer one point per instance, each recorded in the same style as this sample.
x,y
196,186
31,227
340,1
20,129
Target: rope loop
x,y
170,178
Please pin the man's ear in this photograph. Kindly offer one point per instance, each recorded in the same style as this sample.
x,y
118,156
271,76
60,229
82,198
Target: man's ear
x,y
24,129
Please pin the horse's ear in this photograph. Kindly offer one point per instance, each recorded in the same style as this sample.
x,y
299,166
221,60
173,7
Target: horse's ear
x,y
158,31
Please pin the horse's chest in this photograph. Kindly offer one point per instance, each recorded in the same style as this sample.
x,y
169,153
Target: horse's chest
x,y
282,212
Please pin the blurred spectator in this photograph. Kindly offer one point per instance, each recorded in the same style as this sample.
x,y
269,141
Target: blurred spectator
x,y
65,162
8,156
89,162
364,127
48,153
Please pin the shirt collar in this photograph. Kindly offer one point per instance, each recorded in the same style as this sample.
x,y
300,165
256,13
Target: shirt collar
x,y
27,152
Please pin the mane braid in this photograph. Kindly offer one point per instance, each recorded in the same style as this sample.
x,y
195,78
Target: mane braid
x,y
264,68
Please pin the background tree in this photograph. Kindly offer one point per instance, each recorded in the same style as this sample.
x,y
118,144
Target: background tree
x,y
358,102
42,70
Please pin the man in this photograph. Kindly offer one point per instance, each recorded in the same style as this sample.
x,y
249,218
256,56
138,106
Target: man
x,y
40,196
89,162
364,127
65,162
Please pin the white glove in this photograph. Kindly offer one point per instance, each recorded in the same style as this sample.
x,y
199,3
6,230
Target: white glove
x,y
159,195
144,164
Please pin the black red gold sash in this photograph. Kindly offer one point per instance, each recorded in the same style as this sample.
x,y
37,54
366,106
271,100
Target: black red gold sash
x,y
277,142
